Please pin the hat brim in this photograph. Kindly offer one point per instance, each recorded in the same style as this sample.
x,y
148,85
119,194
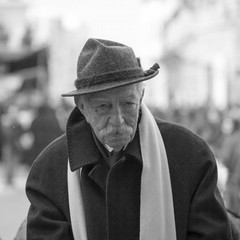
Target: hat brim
x,y
107,86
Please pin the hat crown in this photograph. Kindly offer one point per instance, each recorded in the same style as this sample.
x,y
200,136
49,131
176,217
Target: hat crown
x,y
99,57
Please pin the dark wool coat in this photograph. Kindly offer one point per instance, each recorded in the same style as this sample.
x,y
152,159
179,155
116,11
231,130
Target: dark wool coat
x,y
198,206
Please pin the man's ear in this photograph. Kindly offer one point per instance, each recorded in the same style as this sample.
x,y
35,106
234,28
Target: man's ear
x,y
143,91
81,108
79,104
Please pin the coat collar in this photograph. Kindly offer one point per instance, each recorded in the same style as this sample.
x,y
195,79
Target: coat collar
x,y
82,149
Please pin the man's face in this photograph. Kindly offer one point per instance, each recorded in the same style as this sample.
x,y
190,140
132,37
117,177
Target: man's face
x,y
113,114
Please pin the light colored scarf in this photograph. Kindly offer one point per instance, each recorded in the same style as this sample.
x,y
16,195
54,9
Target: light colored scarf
x,y
157,220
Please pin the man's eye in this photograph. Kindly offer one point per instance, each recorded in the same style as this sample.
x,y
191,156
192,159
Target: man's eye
x,y
129,104
103,106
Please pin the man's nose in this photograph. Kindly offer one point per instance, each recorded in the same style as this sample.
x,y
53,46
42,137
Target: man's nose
x,y
116,117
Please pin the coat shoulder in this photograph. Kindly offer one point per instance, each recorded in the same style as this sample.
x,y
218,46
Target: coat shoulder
x,y
178,138
49,168
54,153
189,156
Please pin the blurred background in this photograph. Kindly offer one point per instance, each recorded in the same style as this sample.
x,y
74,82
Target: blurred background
x,y
196,43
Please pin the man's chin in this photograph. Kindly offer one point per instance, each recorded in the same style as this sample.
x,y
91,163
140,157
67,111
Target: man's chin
x,y
117,148
117,145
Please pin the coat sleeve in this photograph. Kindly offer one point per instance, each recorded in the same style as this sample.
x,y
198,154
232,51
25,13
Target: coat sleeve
x,y
200,213
207,217
46,189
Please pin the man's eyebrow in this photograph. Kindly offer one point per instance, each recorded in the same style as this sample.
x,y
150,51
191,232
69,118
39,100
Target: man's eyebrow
x,y
131,97
99,99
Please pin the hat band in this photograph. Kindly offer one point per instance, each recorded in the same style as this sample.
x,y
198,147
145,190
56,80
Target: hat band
x,y
110,77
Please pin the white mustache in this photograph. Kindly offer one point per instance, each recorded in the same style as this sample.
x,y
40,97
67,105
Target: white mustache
x,y
110,130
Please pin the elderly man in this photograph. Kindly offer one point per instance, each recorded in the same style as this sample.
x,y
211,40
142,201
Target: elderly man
x,y
118,173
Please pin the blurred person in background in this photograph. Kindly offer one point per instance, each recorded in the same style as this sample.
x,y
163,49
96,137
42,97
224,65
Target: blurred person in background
x,y
118,173
45,127
231,159
12,149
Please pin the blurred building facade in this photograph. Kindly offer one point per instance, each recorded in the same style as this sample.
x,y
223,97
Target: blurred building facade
x,y
23,64
201,41
197,50
12,24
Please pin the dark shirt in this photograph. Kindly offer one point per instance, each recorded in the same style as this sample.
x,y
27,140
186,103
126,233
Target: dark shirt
x,y
110,157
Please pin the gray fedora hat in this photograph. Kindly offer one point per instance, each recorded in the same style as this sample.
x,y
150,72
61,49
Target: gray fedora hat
x,y
104,64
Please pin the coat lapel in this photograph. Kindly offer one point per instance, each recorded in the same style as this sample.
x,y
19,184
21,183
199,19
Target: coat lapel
x,y
82,149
